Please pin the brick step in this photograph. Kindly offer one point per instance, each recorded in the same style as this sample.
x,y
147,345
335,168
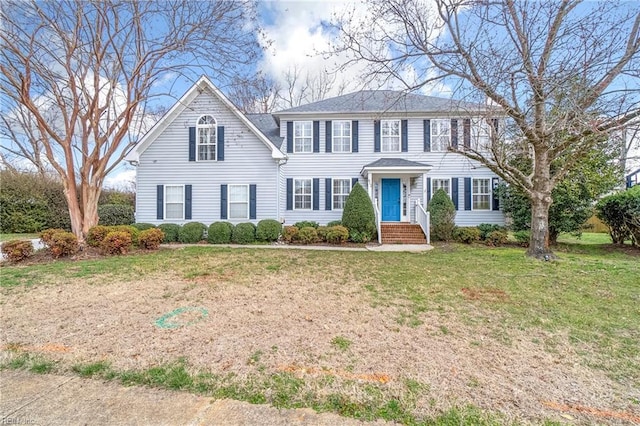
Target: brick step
x,y
402,233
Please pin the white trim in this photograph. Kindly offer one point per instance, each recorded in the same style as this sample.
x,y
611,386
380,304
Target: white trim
x,y
433,190
215,137
490,194
164,202
432,136
294,194
229,185
333,207
303,137
382,150
333,146
181,105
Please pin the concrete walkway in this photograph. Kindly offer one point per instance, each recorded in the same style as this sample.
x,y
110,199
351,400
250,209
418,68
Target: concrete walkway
x,y
413,248
32,399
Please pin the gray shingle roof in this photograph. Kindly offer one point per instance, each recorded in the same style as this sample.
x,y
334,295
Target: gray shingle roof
x,y
395,162
268,126
368,101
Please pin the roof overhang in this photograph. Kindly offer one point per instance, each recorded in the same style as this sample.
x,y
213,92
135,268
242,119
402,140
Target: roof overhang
x,y
403,168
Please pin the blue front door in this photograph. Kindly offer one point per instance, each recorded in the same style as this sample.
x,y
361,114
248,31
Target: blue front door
x,y
391,200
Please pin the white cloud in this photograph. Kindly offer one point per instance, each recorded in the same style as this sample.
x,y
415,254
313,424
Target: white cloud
x,y
121,179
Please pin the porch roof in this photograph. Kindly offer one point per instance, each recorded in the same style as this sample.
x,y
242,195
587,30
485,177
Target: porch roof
x,y
391,166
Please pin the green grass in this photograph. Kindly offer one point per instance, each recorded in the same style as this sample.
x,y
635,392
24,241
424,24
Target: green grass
x,y
341,342
585,238
7,237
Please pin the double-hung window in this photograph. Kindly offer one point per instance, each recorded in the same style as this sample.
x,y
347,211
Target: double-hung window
x,y
238,201
390,135
341,189
480,135
302,136
206,134
174,202
444,184
302,193
440,135
341,132
481,194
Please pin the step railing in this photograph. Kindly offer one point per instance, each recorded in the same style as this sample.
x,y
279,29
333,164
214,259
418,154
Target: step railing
x,y
424,220
377,212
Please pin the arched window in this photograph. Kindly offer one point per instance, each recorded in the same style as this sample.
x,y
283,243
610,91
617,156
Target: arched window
x,y
206,138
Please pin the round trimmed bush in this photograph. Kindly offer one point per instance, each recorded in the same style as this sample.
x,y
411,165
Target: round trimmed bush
x,y
96,234
337,234
443,215
192,232
487,228
116,242
244,233
150,239
322,233
45,236
497,238
17,250
289,233
268,230
220,233
334,223
307,235
358,215
466,234
143,226
131,230
171,232
306,223
64,244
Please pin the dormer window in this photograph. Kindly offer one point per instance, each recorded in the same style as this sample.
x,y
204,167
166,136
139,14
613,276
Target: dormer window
x,y
206,137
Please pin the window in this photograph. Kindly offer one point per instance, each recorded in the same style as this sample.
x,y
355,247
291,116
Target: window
x,y
440,135
480,135
206,134
341,136
302,136
481,194
174,202
238,201
341,189
390,132
302,194
441,184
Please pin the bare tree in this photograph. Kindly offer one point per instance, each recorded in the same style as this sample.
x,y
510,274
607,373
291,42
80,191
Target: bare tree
x,y
564,73
254,94
303,87
78,78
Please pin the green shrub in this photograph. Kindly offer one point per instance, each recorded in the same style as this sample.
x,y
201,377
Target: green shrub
x,y
337,234
143,226
307,235
150,239
244,233
306,223
116,242
17,250
360,237
358,215
289,233
522,237
497,238
621,213
487,228
115,214
96,235
466,234
64,244
131,230
268,230
45,236
171,232
334,223
220,233
117,196
192,232
322,233
443,214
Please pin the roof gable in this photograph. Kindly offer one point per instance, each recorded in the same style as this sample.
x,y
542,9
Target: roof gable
x,y
184,102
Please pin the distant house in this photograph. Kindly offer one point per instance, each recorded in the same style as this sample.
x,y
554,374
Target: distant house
x,y
206,161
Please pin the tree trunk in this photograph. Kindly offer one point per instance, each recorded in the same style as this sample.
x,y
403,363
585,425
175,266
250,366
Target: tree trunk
x,y
539,243
75,212
90,204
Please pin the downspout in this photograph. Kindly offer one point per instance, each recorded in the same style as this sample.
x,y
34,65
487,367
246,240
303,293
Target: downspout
x,y
279,164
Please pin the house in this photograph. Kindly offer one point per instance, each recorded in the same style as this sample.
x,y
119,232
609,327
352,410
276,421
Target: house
x,y
206,161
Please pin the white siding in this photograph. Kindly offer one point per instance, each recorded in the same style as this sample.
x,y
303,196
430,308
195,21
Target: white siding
x,y
246,161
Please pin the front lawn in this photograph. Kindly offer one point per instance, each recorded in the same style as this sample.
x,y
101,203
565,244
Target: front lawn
x,y
467,334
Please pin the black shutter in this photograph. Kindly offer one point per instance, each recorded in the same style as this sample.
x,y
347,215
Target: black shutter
x,y
354,181
192,144
327,194
289,136
496,198
427,135
376,136
220,147
404,135
494,123
466,133
252,201
327,136
316,136
467,193
354,136
454,192
160,202
454,133
289,194
223,201
316,194
428,190
187,202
